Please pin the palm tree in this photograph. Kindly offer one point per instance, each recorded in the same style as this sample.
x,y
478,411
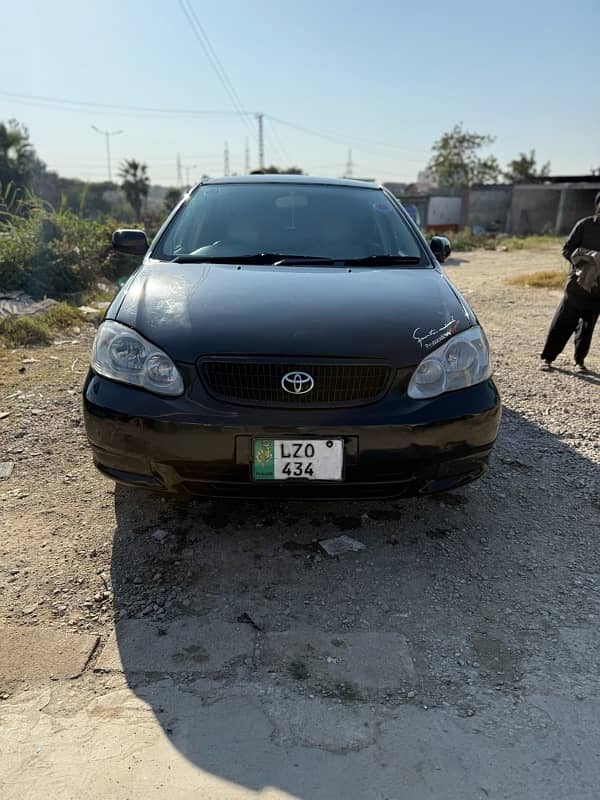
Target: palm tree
x,y
172,197
135,183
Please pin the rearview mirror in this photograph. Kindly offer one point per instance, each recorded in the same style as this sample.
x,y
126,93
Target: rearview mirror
x,y
133,242
440,247
292,201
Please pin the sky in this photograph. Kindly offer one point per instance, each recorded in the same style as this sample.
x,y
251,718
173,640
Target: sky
x,y
383,79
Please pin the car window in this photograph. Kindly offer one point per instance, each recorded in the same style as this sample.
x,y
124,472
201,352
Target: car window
x,y
229,220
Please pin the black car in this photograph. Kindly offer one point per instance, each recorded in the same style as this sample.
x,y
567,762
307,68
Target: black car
x,y
289,336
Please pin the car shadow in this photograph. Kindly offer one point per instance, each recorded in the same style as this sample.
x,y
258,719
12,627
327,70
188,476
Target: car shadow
x,y
232,622
455,261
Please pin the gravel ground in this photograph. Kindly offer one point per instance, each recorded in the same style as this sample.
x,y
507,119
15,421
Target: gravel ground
x,y
496,586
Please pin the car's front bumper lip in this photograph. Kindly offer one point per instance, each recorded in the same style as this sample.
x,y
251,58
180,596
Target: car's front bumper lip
x,y
170,445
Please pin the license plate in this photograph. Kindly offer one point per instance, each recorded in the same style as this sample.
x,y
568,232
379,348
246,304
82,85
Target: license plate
x,y
298,459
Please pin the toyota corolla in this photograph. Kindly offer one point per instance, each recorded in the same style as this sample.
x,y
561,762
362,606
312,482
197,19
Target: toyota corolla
x,y
287,336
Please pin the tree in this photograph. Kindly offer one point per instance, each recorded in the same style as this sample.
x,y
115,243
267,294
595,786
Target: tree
x,y
273,170
136,184
523,169
456,162
172,197
18,162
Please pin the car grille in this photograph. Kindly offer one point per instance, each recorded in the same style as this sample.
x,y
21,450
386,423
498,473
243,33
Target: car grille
x,y
259,382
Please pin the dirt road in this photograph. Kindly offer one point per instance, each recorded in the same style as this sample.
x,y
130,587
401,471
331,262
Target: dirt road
x,y
209,649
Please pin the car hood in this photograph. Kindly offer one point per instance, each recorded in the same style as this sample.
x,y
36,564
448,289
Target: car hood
x,y
190,310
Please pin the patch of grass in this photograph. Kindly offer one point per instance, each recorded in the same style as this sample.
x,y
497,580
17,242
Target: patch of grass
x,y
530,242
465,240
98,295
39,329
62,316
24,331
545,279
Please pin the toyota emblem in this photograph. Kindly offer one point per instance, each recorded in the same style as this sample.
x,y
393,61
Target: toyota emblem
x,y
297,383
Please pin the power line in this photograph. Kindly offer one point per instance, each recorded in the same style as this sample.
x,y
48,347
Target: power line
x,y
86,106
83,105
279,143
339,139
190,112
80,105
107,135
213,59
188,170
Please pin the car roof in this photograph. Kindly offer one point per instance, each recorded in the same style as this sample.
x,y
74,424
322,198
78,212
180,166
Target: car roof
x,y
296,179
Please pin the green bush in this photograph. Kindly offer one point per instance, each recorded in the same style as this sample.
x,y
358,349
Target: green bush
x,y
467,240
57,254
38,329
24,331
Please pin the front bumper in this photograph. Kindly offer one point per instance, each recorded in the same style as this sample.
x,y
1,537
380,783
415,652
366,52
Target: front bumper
x,y
396,447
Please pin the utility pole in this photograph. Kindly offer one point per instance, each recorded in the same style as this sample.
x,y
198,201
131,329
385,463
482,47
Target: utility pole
x,y
226,160
179,173
261,142
107,135
349,165
187,174
247,158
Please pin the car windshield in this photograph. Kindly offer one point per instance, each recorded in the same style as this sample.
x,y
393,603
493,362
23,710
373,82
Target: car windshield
x,y
284,220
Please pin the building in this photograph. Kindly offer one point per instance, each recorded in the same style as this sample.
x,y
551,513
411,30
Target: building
x,y
551,205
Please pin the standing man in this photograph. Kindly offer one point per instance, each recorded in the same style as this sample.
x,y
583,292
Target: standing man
x,y
579,308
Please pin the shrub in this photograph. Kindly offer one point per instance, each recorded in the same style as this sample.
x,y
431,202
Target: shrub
x,y
57,254
23,331
38,329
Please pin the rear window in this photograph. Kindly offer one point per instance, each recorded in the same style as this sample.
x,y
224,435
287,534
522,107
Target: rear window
x,y
339,222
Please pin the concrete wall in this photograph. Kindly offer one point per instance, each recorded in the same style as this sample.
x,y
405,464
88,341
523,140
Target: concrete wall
x,y
575,203
520,209
534,209
489,208
444,212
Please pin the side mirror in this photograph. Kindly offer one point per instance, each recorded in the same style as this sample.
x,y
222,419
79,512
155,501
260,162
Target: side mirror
x,y
440,247
130,241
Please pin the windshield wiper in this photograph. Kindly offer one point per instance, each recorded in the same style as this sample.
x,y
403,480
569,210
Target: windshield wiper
x,y
291,260
377,260
284,259
255,258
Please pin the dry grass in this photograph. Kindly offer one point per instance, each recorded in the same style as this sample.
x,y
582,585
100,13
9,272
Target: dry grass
x,y
466,240
38,329
530,242
545,279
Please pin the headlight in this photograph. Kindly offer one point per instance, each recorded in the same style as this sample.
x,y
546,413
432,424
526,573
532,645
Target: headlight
x,y
462,361
122,354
